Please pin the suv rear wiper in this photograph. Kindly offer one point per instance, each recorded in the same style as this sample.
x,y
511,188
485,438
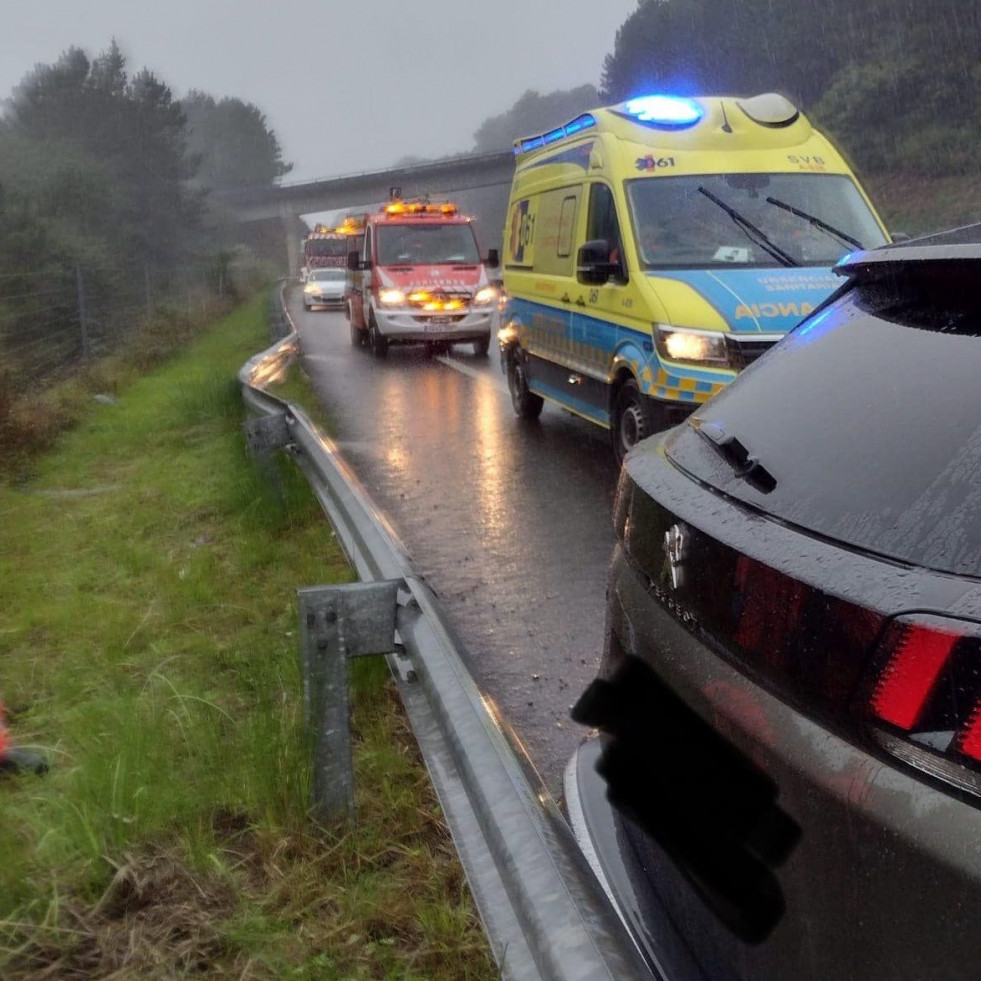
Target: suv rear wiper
x,y
754,234
821,226
746,467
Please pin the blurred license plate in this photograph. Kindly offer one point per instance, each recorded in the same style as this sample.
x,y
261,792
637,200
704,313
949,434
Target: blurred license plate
x,y
439,321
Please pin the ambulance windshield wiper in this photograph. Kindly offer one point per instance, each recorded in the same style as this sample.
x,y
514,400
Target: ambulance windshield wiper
x,y
821,226
744,465
753,233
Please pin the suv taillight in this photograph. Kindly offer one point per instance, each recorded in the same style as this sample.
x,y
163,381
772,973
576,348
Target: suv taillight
x,y
923,697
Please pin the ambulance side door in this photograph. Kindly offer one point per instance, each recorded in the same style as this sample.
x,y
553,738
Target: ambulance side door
x,y
599,309
557,215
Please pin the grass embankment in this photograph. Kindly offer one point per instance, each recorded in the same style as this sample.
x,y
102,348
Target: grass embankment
x,y
918,205
148,642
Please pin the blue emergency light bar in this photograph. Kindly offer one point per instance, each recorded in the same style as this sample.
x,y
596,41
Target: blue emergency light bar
x,y
668,111
554,135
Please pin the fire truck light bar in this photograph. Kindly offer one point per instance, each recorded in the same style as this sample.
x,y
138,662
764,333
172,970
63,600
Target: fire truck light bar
x,y
419,208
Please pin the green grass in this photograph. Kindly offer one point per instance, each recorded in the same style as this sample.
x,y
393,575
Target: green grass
x,y
918,205
148,641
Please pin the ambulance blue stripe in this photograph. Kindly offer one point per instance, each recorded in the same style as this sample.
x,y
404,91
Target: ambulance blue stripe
x,y
564,398
765,289
608,338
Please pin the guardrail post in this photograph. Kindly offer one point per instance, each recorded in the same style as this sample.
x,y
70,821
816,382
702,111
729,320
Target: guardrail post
x,y
337,623
279,325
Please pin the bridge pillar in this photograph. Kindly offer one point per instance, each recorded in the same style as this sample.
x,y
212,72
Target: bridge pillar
x,y
295,229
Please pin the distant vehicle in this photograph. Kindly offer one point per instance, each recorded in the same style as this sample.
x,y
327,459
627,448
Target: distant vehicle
x,y
419,279
790,696
324,288
328,247
656,247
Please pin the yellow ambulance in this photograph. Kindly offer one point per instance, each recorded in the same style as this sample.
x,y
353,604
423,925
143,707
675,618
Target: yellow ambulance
x,y
655,248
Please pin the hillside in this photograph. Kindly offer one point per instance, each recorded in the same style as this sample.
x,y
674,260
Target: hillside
x,y
917,205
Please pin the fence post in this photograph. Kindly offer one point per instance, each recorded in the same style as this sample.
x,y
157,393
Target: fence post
x,y
82,320
337,623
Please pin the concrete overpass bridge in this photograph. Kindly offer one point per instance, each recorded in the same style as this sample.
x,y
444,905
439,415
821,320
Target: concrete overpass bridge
x,y
478,182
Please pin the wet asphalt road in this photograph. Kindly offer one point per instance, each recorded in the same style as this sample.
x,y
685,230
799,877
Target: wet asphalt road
x,y
508,521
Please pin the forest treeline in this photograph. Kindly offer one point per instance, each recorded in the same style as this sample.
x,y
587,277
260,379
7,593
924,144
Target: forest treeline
x,y
896,83
104,206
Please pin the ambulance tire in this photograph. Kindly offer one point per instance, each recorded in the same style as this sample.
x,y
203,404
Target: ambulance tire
x,y
378,342
481,348
526,404
632,419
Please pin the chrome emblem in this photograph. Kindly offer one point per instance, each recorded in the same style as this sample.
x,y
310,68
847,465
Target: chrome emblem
x,y
676,548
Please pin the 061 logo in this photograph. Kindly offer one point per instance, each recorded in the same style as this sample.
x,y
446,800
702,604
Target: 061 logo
x,y
651,162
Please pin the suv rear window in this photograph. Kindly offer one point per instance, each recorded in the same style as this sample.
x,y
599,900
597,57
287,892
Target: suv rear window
x,y
866,419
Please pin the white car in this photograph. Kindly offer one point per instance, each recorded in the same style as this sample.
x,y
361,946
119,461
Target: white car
x,y
325,287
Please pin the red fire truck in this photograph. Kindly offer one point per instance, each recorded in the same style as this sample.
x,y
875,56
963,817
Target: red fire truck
x,y
419,279
325,247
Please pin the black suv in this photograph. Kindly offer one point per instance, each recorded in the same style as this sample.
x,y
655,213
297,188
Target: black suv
x,y
787,781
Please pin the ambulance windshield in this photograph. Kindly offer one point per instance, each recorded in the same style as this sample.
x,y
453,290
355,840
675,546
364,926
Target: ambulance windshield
x,y
678,225
426,244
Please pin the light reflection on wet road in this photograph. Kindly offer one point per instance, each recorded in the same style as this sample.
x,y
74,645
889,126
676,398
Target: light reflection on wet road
x,y
508,522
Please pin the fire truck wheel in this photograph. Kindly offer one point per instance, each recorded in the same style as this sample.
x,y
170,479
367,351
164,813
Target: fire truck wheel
x,y
379,344
357,336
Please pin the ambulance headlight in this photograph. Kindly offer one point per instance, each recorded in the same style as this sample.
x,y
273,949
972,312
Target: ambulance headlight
x,y
391,298
692,346
485,297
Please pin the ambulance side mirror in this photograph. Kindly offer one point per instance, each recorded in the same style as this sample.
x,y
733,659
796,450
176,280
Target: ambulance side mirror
x,y
493,258
593,266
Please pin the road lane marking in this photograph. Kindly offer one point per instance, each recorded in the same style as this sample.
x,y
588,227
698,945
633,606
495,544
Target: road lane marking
x,y
497,381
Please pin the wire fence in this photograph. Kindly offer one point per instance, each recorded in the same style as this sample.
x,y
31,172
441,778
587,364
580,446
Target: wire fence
x,y
56,318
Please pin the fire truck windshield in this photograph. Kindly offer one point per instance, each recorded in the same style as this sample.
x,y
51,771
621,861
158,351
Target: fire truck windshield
x,y
328,247
426,244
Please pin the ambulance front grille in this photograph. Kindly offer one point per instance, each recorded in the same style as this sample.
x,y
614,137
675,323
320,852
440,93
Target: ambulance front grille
x,y
744,349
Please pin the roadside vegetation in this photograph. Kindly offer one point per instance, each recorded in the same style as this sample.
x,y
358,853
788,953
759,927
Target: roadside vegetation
x,y
108,223
148,643
897,88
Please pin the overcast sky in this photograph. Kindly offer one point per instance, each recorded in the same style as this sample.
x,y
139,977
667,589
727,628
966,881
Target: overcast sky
x,y
347,86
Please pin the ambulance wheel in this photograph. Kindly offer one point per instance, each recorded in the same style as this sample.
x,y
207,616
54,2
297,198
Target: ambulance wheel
x,y
379,344
526,404
482,347
632,420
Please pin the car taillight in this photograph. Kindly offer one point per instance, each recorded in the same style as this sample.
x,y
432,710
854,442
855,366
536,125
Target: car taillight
x,y
924,696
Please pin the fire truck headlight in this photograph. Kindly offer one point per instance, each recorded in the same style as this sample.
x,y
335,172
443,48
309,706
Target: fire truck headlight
x,y
391,298
485,297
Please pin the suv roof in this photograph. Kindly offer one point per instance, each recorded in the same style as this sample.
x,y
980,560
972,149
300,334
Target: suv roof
x,y
952,244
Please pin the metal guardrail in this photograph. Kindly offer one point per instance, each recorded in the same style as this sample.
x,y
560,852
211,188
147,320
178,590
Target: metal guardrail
x,y
543,911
